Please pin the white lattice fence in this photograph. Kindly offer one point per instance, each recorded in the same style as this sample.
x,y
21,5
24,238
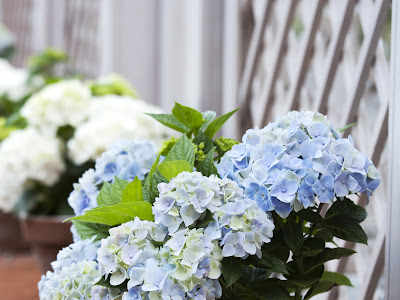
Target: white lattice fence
x,y
328,56
18,16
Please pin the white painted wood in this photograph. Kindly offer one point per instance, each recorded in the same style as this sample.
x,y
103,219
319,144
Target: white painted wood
x,y
231,64
105,36
392,270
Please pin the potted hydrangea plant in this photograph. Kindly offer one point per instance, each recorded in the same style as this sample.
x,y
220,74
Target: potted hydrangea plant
x,y
16,86
65,132
214,218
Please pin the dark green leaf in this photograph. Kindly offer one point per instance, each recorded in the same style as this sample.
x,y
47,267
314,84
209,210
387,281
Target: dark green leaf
x,y
309,278
207,167
133,191
182,150
326,255
312,247
293,235
171,122
337,278
188,116
118,213
327,281
231,269
171,169
88,230
346,229
348,209
311,216
105,196
207,142
208,116
118,188
273,293
324,235
216,125
319,288
252,275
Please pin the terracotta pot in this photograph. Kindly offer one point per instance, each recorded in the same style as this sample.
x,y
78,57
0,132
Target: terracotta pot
x,y
46,235
11,239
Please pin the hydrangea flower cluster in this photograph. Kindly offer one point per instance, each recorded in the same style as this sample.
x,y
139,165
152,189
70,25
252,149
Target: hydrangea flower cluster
x,y
236,220
126,119
73,282
76,252
187,266
75,275
125,160
59,104
297,160
25,156
15,83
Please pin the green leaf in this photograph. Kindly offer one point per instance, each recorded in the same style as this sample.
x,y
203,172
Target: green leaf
x,y
171,169
326,255
348,209
208,116
324,235
327,281
346,127
149,179
117,214
231,269
346,229
309,278
293,235
118,188
216,125
311,216
273,264
170,121
182,150
88,230
252,275
273,293
337,278
312,247
188,116
207,142
133,191
157,178
319,288
207,167
105,196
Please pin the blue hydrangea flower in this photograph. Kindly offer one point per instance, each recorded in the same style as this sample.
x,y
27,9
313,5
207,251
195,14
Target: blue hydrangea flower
x,y
296,162
76,252
72,282
190,197
125,160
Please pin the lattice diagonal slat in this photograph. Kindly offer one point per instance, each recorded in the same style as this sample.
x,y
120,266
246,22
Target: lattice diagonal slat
x,y
330,56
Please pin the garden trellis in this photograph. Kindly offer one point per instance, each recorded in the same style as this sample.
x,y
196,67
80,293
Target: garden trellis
x,y
332,56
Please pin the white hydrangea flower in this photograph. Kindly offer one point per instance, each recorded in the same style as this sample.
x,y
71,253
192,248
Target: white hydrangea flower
x,y
76,252
26,155
126,119
128,244
59,104
73,282
237,221
15,82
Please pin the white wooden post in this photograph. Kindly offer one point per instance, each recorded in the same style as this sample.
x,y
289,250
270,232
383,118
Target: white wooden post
x,y
392,272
